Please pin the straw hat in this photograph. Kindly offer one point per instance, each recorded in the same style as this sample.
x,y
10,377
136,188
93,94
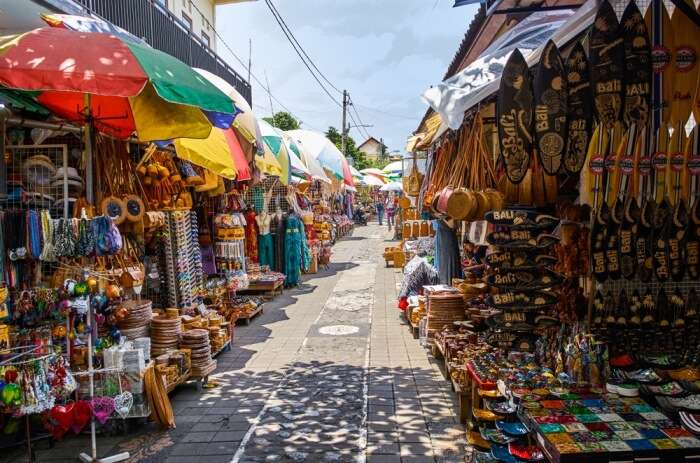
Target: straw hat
x,y
39,170
39,200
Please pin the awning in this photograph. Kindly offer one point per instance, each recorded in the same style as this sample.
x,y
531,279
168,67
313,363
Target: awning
x,y
482,78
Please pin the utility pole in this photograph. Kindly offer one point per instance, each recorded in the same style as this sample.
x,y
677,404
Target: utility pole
x,y
344,132
269,94
250,57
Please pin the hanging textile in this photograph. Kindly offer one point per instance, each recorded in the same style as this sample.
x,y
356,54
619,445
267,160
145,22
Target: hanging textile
x,y
297,254
251,236
279,235
447,255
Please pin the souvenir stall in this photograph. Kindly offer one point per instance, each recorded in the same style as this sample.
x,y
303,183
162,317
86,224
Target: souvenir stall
x,y
121,260
566,224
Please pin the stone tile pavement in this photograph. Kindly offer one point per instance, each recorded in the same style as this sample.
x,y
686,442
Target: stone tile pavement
x,y
329,372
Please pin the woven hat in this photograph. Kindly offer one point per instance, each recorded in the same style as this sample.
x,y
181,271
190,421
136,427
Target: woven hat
x,y
39,170
39,200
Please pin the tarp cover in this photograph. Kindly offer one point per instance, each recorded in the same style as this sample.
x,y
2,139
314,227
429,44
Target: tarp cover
x,y
481,79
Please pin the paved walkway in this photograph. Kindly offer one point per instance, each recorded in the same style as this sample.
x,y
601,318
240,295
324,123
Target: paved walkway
x,y
328,373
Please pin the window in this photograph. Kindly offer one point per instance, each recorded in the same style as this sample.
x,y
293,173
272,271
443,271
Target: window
x,y
206,39
187,20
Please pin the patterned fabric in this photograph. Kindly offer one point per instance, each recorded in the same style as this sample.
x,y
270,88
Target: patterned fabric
x,y
417,273
266,250
295,249
251,237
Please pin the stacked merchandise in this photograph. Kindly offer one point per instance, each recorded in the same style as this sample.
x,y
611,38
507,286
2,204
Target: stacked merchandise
x,y
137,322
230,241
197,342
183,260
165,332
445,306
520,272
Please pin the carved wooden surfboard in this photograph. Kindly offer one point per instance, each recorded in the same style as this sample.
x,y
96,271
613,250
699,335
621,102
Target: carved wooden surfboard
x,y
515,110
686,38
607,57
637,71
580,105
550,109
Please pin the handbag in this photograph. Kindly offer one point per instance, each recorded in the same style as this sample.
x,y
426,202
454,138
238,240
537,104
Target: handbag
x,y
415,179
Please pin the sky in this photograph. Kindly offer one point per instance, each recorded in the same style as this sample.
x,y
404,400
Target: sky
x,y
384,52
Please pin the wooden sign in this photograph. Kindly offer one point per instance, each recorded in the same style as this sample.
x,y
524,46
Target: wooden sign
x,y
519,260
580,106
521,219
515,109
551,97
525,279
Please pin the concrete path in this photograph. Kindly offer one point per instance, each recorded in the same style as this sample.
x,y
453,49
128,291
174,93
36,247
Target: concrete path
x,y
328,373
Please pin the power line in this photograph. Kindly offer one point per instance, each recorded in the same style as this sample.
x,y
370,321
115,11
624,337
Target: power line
x,y
276,11
362,124
298,52
379,111
242,63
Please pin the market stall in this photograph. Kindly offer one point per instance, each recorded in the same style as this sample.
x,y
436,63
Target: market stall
x,y
567,310
138,211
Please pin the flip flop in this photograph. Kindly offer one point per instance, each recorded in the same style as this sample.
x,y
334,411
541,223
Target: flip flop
x,y
512,428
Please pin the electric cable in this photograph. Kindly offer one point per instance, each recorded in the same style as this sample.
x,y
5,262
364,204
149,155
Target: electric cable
x,y
299,53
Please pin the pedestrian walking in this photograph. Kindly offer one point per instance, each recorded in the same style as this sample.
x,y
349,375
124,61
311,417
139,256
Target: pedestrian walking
x,y
379,206
390,212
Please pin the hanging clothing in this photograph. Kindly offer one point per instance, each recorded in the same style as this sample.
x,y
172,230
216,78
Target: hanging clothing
x,y
266,250
251,236
447,255
297,254
279,228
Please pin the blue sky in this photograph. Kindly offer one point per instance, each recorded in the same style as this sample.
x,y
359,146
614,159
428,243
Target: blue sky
x,y
385,52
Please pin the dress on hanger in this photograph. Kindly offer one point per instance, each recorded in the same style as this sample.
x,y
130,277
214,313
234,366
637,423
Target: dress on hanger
x,y
265,245
251,236
297,255
280,230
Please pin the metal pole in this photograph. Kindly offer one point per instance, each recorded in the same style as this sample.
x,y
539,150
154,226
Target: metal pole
x,y
269,95
88,151
344,132
250,57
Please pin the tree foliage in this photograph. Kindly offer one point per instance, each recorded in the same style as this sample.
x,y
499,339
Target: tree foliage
x,y
283,121
359,158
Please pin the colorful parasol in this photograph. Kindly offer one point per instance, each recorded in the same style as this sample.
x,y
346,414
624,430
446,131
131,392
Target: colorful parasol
x,y
393,168
371,180
245,123
315,171
220,152
325,152
392,186
89,24
273,139
122,87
